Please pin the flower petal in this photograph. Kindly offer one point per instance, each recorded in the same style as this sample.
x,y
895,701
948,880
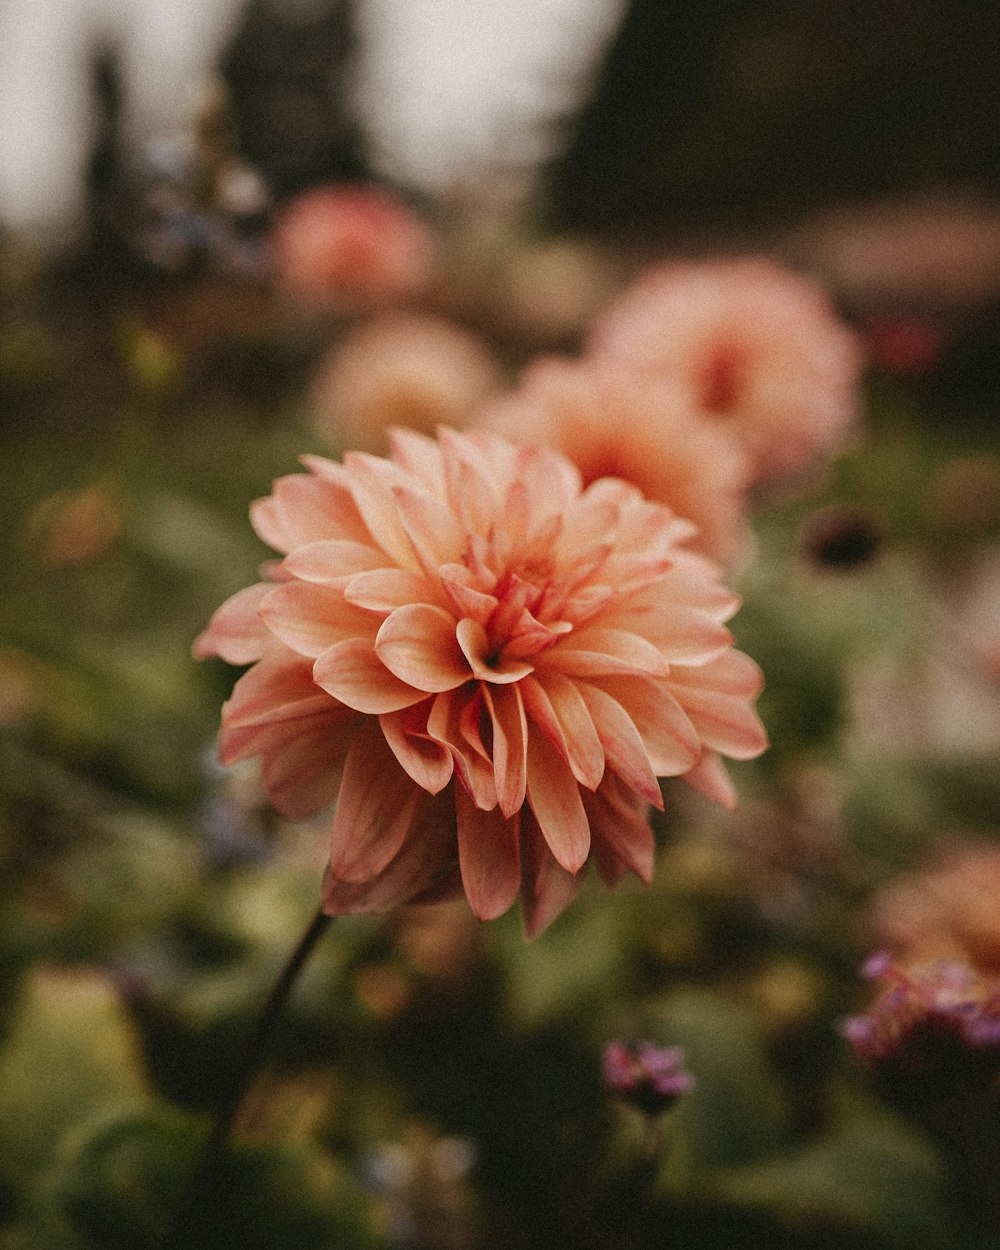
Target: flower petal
x,y
489,855
427,762
385,590
709,777
547,888
554,796
417,643
724,723
353,673
486,665
595,650
310,618
624,750
556,706
510,745
236,632
426,865
669,737
332,560
376,805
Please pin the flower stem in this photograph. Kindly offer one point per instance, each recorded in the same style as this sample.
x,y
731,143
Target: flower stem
x,y
205,1177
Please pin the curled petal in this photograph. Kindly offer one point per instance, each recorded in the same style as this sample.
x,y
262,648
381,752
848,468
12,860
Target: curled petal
x,y
418,644
427,762
483,660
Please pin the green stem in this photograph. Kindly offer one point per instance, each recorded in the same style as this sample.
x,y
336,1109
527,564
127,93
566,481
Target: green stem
x,y
205,1176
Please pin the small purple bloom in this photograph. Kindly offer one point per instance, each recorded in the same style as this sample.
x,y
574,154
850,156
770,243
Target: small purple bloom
x,y
649,1077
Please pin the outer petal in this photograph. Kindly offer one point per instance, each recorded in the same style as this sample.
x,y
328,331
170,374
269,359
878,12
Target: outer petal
x,y
236,632
622,839
547,888
489,855
709,777
418,644
555,800
624,749
426,866
353,673
310,618
376,805
332,560
723,723
669,737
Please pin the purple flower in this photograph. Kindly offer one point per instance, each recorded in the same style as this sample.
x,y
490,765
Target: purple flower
x,y
649,1077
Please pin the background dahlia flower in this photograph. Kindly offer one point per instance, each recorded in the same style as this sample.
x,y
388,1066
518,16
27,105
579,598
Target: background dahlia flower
x,y
761,349
486,665
400,368
611,423
352,247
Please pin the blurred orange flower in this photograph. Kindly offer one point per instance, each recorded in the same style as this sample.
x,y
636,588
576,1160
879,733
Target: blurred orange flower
x,y
946,911
759,347
612,423
351,247
400,368
486,665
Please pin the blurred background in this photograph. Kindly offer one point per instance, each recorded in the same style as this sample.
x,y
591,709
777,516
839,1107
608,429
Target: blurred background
x,y
181,318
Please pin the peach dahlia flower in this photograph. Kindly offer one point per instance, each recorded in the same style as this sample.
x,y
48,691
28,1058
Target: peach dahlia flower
x,y
611,423
485,666
351,247
400,368
760,347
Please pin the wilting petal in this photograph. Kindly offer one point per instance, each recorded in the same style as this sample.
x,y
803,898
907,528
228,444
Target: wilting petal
x,y
489,855
418,644
425,866
555,799
622,839
353,673
376,805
